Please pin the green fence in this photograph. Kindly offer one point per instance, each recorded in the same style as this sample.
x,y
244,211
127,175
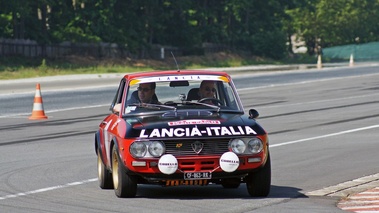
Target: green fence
x,y
360,52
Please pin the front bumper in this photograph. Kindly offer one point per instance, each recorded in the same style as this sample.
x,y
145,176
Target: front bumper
x,y
150,172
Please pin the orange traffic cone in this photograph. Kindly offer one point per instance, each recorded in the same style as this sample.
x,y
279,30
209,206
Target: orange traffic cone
x,y
38,112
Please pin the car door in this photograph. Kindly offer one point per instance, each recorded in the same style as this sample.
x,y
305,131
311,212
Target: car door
x,y
108,125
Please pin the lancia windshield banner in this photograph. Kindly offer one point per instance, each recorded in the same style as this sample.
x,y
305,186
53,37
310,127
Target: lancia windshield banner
x,y
178,78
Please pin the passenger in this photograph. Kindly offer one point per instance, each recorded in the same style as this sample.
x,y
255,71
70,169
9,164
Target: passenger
x,y
207,89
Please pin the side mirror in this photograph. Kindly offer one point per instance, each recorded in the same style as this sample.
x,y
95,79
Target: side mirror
x,y
253,114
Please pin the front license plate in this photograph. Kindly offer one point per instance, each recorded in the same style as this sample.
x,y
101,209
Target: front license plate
x,y
197,175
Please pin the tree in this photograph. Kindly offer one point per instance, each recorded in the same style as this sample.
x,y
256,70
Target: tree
x,y
257,27
335,22
6,28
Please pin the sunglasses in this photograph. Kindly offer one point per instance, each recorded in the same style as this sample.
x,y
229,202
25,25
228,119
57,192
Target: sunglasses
x,y
143,89
210,90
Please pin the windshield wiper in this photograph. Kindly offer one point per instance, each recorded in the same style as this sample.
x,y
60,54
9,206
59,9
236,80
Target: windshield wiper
x,y
204,104
151,106
161,105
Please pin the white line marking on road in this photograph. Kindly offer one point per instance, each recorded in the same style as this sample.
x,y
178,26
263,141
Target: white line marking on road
x,y
48,189
326,136
57,110
271,146
321,101
305,82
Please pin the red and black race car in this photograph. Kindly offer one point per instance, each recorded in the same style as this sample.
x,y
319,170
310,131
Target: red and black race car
x,y
181,128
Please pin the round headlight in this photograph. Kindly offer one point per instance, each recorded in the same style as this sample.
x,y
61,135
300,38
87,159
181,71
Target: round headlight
x,y
138,149
156,148
237,146
255,145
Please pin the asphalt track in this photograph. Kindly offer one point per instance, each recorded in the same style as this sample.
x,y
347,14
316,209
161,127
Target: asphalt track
x,y
323,127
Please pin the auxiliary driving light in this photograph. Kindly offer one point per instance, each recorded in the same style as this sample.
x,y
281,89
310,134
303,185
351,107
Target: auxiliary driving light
x,y
168,164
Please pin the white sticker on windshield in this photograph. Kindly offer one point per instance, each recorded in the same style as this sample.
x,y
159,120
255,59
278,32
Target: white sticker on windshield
x,y
130,108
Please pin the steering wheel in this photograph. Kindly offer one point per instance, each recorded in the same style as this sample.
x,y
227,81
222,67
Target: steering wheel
x,y
215,101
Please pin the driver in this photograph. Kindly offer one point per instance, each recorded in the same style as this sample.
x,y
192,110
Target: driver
x,y
207,89
145,94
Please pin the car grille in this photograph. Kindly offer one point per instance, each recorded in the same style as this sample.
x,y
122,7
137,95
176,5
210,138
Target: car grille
x,y
199,147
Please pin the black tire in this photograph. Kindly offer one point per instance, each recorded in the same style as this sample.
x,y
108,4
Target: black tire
x,y
103,174
231,183
258,183
124,184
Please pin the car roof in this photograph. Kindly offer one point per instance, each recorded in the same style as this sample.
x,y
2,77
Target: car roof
x,y
174,72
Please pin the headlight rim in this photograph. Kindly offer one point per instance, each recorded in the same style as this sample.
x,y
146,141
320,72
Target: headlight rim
x,y
143,154
230,146
158,142
261,145
246,141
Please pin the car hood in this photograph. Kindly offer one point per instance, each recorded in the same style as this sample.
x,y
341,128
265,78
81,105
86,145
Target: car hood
x,y
179,126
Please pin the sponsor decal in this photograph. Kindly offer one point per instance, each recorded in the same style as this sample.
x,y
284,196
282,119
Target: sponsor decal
x,y
180,78
189,122
196,132
229,161
167,164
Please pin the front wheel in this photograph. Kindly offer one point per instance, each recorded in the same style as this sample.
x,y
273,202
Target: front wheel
x,y
258,183
104,176
124,184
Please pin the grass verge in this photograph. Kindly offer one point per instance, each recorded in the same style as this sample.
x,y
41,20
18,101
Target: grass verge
x,y
18,67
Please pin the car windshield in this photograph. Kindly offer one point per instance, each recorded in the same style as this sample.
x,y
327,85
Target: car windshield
x,y
183,92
